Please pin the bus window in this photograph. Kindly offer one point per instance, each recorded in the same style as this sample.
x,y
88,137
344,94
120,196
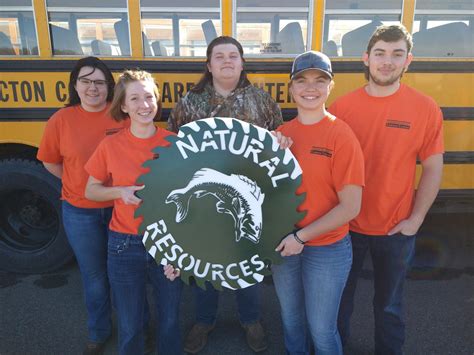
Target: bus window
x,y
273,27
89,27
349,24
443,28
17,28
183,29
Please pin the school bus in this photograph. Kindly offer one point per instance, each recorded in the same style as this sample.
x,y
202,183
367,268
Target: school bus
x,y
40,40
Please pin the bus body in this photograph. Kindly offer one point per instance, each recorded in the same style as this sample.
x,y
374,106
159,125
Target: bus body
x,y
40,41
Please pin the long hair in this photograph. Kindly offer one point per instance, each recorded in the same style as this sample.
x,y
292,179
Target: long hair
x,y
127,77
206,77
95,64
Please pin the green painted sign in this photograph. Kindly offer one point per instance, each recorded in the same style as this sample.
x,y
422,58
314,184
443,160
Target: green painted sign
x,y
217,202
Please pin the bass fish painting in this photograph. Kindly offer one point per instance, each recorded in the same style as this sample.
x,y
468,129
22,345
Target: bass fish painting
x,y
236,195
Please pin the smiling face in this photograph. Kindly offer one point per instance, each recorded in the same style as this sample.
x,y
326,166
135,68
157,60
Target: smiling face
x,y
92,89
225,63
310,90
140,102
387,61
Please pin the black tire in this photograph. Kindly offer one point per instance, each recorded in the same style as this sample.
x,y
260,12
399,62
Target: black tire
x,y
32,237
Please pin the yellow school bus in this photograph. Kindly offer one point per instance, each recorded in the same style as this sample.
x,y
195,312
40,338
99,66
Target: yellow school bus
x,y
40,40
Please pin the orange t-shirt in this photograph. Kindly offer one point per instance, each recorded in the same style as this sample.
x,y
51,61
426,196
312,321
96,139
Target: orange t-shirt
x,y
330,157
70,137
119,159
393,131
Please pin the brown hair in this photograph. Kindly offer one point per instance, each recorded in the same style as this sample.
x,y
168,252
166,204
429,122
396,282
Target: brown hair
x,y
127,77
392,33
207,75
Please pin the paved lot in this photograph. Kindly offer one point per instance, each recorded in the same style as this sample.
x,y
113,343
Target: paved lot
x,y
44,314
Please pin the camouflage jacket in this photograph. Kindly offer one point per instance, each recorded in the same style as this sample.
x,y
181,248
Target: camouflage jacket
x,y
248,104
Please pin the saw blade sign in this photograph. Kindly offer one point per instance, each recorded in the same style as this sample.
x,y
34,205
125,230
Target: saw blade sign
x,y
217,202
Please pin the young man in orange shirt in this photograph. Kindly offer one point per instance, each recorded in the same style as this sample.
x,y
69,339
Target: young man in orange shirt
x,y
395,125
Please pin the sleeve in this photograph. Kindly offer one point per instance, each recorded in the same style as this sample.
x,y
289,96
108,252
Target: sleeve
x,y
273,113
283,128
177,116
348,162
50,147
335,109
97,166
433,137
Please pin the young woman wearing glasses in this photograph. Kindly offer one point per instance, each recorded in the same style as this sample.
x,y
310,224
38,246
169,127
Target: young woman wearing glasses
x,y
70,137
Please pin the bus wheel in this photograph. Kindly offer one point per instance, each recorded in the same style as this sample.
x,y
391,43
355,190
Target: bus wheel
x,y
32,238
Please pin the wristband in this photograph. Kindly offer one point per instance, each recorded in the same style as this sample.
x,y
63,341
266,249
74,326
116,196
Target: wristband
x,y
295,235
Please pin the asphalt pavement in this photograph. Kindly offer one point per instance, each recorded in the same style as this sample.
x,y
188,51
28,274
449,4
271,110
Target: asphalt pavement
x,y
44,314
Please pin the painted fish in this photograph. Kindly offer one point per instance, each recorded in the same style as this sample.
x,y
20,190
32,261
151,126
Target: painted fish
x,y
236,195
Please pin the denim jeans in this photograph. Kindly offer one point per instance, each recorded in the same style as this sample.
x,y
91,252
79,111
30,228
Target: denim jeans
x,y
86,230
129,267
309,287
248,304
391,259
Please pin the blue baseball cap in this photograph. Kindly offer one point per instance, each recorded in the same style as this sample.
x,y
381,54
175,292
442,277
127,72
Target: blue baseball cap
x,y
311,60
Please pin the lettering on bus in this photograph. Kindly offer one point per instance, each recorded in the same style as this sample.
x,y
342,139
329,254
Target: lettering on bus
x,y
279,91
61,93
22,90
56,92
28,91
172,92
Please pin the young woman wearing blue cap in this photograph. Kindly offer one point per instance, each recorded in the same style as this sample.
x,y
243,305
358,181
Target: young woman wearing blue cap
x,y
318,254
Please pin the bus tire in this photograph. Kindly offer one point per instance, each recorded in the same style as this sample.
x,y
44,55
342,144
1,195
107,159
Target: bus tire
x,y
32,237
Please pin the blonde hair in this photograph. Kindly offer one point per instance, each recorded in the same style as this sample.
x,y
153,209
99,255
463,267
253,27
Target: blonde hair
x,y
127,77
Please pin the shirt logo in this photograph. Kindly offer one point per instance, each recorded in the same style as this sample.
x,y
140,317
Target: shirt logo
x,y
326,152
110,131
398,124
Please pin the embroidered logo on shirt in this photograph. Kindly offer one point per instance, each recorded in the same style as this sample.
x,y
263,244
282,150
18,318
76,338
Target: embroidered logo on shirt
x,y
398,124
110,131
321,151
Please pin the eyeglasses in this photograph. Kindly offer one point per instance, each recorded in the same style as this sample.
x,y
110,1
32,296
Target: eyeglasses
x,y
89,82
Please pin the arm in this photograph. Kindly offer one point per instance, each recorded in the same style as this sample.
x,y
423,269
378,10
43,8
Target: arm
x,y
177,116
172,124
430,181
55,169
274,113
348,207
96,191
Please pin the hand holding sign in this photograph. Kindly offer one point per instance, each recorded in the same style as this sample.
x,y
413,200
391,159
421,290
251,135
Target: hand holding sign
x,y
127,194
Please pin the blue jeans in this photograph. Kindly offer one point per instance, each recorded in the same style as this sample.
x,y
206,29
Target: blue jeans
x,y
391,260
309,287
86,230
248,304
130,266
